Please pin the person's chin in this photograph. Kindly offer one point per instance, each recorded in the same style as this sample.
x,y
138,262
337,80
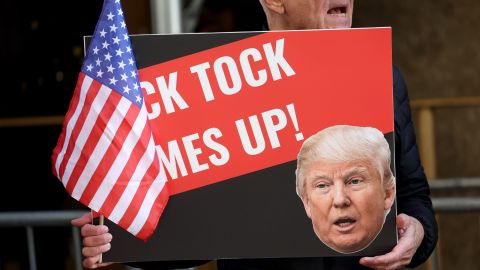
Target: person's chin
x,y
348,246
347,243
338,22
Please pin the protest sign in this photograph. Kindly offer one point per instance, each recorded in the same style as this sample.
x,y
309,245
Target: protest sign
x,y
229,113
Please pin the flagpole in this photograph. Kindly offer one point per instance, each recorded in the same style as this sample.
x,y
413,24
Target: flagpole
x,y
100,222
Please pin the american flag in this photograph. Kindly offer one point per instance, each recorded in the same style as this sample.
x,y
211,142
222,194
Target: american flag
x,y
106,156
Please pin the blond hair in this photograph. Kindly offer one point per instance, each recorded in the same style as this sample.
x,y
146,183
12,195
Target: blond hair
x,y
345,143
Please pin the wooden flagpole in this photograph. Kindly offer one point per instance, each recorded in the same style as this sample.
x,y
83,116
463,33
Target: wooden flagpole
x,y
100,222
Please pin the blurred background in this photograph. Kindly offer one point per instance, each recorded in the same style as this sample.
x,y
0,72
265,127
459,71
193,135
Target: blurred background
x,y
435,45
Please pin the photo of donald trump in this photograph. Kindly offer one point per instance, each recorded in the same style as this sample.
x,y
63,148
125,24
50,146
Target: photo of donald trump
x,y
347,187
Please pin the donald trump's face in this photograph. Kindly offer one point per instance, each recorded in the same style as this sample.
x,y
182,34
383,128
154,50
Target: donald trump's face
x,y
346,202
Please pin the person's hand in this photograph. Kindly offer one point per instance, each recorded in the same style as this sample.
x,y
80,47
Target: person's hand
x,y
96,240
411,233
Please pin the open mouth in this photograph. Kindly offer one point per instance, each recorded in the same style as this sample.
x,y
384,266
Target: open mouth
x,y
340,10
344,222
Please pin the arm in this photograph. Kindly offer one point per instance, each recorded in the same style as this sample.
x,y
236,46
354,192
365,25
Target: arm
x,y
416,223
413,192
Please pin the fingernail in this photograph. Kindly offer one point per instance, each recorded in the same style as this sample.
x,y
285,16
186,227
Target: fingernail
x,y
365,260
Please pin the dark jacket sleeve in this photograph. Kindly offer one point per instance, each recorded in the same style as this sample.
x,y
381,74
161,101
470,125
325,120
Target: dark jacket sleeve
x,y
413,192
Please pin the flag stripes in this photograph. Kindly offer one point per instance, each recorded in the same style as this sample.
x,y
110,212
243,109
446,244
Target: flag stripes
x,y
125,152
117,193
118,178
93,144
80,134
102,141
143,217
110,154
85,83
125,219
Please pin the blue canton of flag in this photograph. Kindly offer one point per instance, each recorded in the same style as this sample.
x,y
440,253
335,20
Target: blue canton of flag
x,y
110,58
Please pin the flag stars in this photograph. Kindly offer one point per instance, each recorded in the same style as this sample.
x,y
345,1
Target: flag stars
x,y
133,74
121,65
110,16
126,89
108,56
113,28
110,68
116,40
119,52
113,80
110,59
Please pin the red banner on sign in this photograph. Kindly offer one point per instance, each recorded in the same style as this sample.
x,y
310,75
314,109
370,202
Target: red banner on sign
x,y
248,105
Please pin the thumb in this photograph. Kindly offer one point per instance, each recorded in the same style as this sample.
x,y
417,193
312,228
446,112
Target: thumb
x,y
403,224
402,221
85,219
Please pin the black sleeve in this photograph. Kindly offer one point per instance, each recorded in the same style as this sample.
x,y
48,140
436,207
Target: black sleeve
x,y
413,192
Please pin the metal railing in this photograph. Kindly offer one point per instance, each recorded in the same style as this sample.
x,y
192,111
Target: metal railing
x,y
455,184
455,204
29,220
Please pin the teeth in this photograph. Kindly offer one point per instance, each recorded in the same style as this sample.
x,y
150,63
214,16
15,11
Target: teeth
x,y
337,11
343,224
